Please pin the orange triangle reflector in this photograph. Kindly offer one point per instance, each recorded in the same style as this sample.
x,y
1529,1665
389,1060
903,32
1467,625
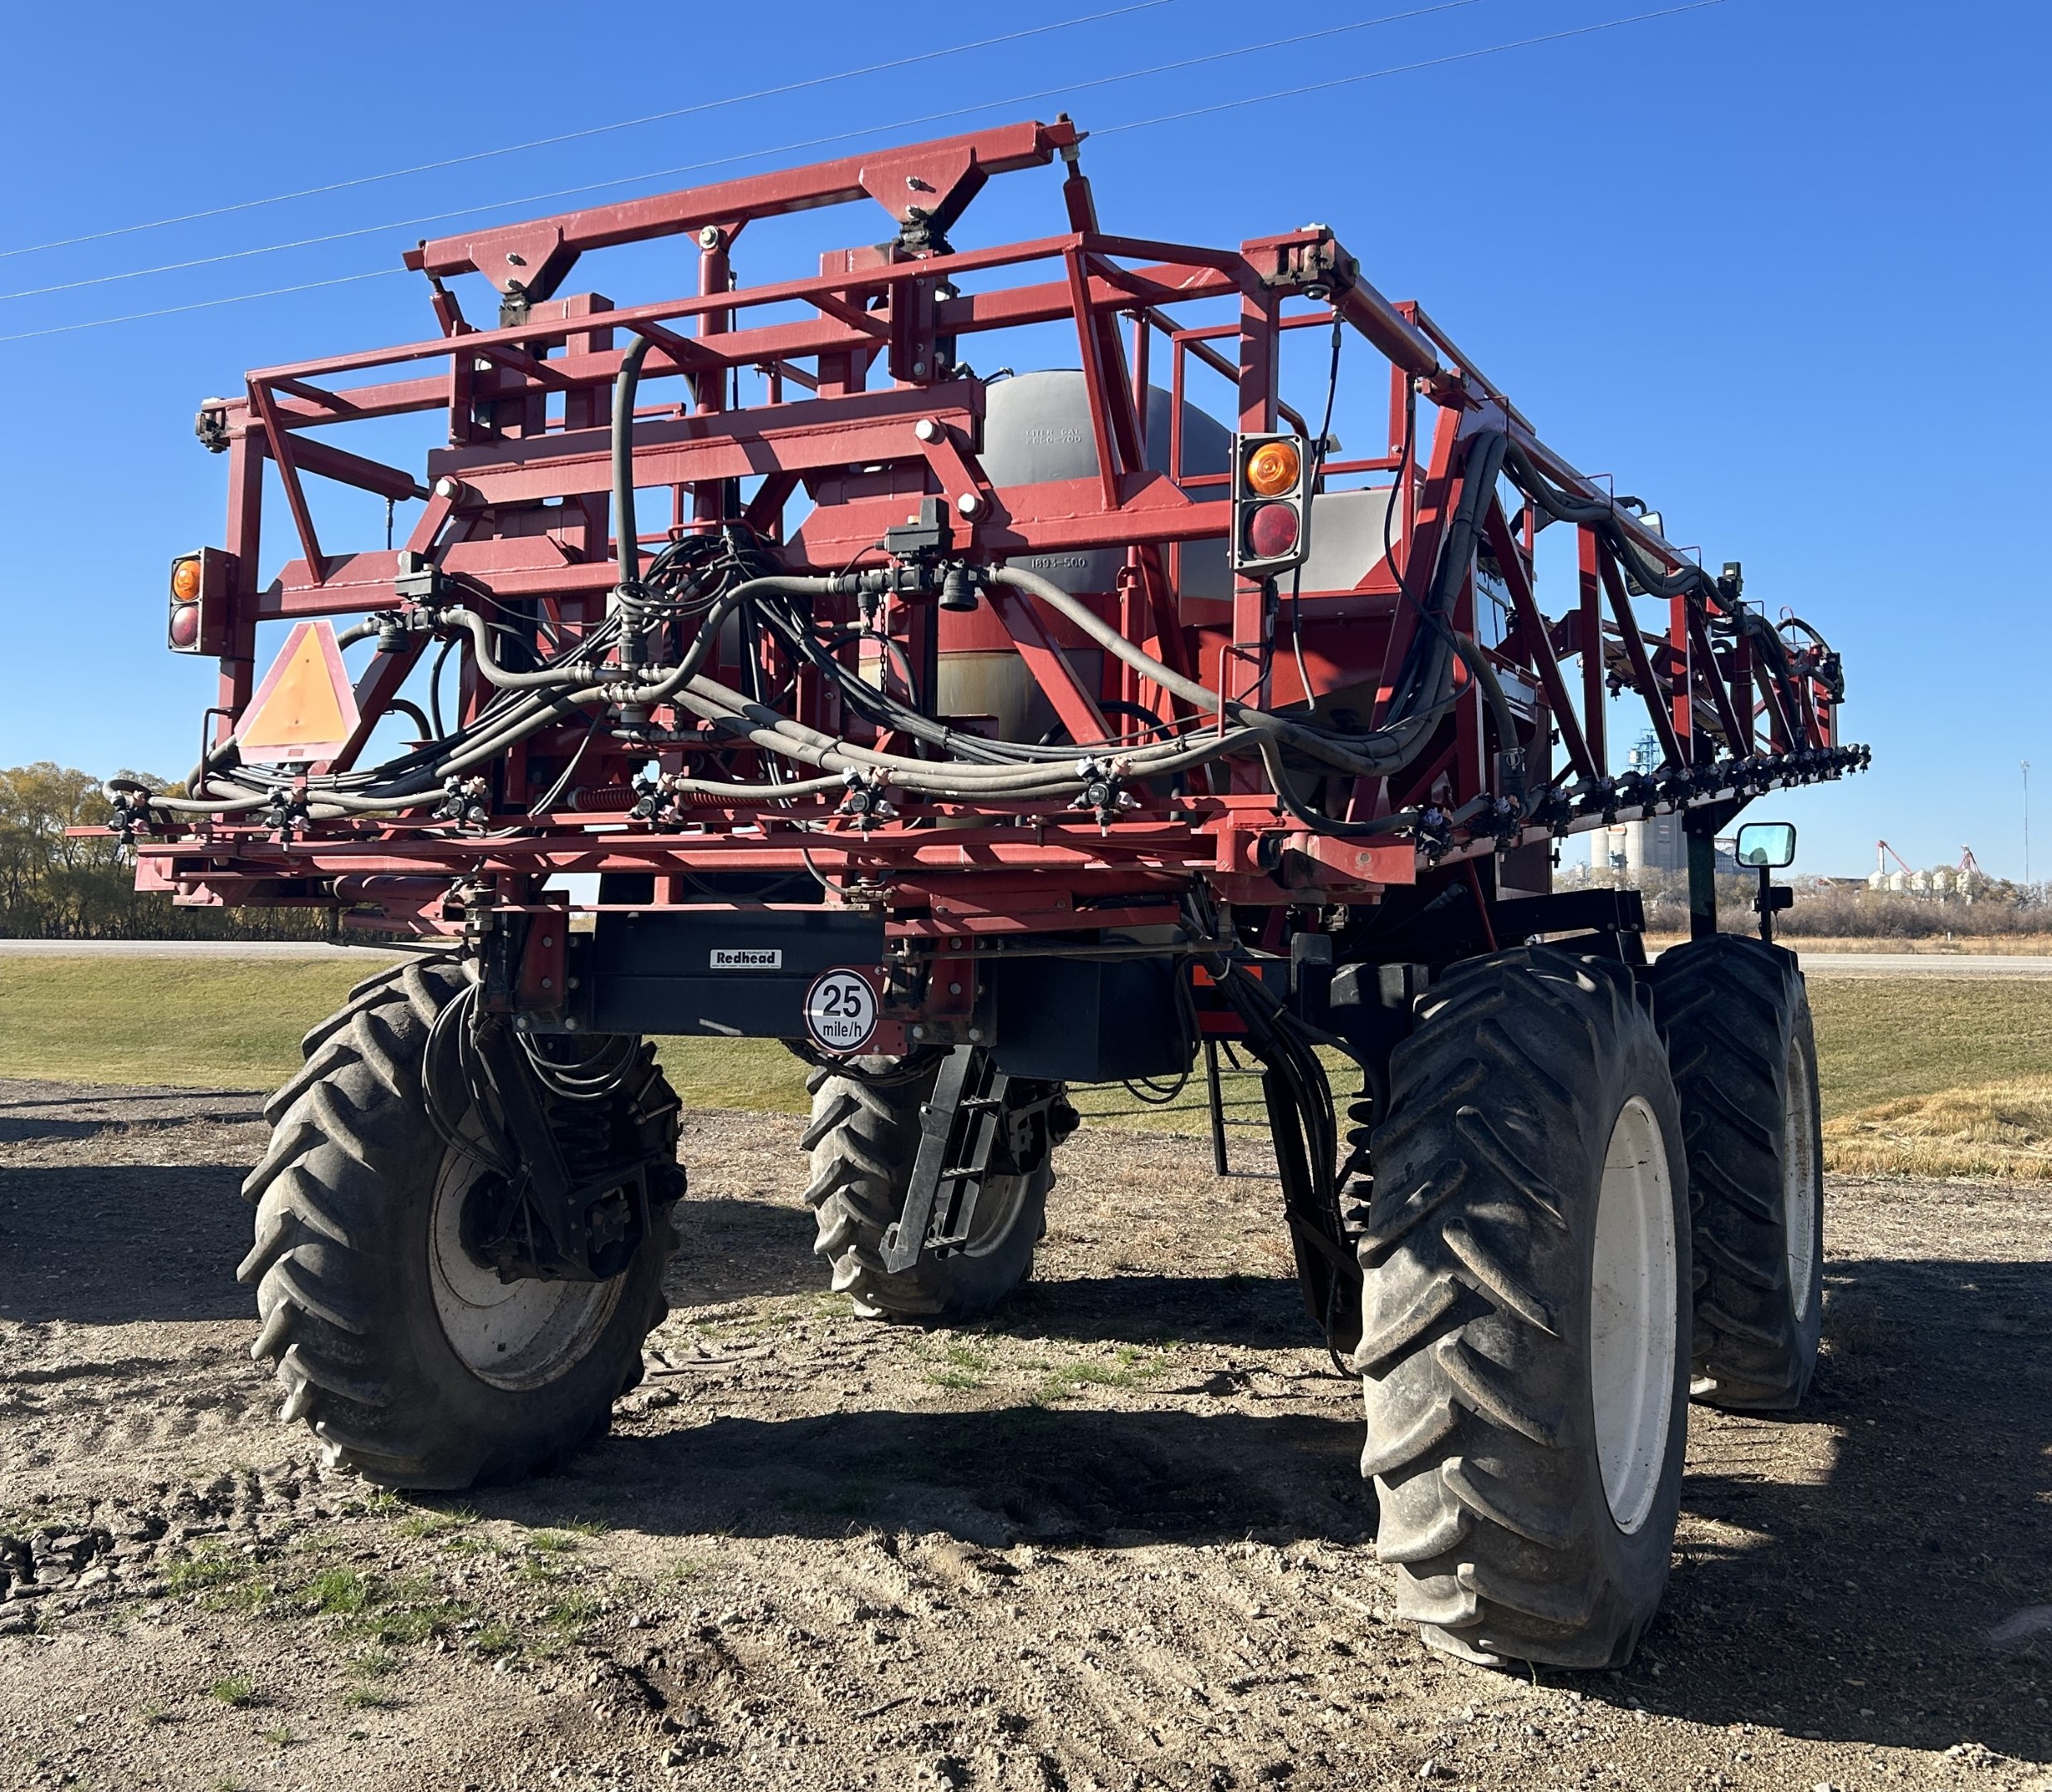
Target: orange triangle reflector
x,y
305,709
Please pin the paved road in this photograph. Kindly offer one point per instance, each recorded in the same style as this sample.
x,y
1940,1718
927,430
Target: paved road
x,y
1924,964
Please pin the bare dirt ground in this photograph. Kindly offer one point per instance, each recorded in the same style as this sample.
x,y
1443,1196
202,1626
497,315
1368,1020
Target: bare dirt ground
x,y
1115,1541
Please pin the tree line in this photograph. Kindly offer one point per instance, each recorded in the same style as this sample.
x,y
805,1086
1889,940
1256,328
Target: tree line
x,y
53,886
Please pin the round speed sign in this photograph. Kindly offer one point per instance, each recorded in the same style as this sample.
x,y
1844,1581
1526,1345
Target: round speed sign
x,y
841,1010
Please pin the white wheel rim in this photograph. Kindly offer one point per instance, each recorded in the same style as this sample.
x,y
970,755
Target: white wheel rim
x,y
1799,1183
511,1334
1632,1315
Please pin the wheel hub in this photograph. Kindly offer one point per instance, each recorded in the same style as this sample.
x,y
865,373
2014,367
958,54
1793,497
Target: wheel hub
x,y
518,1334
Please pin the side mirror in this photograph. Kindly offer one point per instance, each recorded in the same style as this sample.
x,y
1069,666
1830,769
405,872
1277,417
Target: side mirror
x,y
1766,845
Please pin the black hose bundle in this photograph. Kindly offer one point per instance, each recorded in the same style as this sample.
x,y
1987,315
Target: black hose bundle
x,y
1305,1128
1734,619
667,617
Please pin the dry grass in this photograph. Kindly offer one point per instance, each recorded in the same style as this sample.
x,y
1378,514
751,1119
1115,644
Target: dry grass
x,y
2001,1129
1956,946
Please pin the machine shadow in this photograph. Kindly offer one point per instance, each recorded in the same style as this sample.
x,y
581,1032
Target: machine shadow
x,y
736,1249
1888,1529
1260,1312
111,1243
1922,1530
992,1476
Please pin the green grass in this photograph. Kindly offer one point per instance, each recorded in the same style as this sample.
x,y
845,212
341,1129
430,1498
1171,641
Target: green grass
x,y
237,1690
1882,1040
755,1074
572,1612
467,1543
963,1369
1129,1368
203,1023
221,1581
496,1638
433,1523
341,1592
206,1570
200,1023
189,1023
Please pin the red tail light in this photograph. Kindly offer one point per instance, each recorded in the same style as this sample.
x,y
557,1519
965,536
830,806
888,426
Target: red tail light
x,y
1272,530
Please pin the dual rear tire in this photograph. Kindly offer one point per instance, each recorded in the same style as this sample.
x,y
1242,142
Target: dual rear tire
x,y
1744,1056
1590,1194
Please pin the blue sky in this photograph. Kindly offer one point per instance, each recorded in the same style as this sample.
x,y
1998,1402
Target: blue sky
x,y
1780,267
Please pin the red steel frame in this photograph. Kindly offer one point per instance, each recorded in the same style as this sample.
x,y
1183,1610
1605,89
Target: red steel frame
x,y
517,503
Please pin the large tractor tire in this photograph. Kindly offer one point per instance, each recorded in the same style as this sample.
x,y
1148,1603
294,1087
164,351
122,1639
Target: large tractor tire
x,y
1737,1018
1524,1351
410,1359
863,1137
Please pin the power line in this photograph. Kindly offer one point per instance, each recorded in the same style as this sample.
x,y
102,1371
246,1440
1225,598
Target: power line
x,y
1345,81
595,130
1405,68
203,304
694,167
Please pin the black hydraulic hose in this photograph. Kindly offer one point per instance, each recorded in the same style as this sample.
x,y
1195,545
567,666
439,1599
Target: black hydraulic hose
x,y
405,707
673,678
628,594
1279,779
1485,674
1297,1089
628,543
1423,674
1564,507
434,686
874,705
560,674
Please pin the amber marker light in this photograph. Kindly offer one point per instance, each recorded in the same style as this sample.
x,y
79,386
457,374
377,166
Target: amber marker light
x,y
1272,468
185,580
